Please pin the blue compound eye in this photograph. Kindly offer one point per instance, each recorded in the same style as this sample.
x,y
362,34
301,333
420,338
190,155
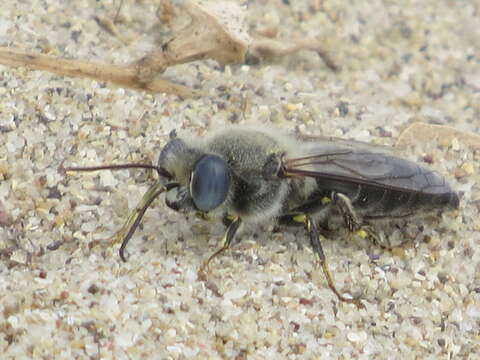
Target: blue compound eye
x,y
210,182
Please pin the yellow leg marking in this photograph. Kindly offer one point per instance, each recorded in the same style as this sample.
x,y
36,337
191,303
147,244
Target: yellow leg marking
x,y
325,200
362,233
231,217
367,231
300,219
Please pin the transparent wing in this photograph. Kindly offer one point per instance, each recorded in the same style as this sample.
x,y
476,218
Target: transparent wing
x,y
359,163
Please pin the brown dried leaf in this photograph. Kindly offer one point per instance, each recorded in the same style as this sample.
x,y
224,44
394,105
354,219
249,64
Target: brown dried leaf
x,y
441,134
216,31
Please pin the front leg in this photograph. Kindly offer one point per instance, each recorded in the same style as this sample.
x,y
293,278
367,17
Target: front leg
x,y
225,244
134,218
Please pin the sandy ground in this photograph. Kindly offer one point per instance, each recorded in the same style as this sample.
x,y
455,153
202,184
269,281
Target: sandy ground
x,y
64,296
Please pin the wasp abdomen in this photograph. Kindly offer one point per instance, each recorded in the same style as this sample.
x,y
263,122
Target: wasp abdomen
x,y
376,202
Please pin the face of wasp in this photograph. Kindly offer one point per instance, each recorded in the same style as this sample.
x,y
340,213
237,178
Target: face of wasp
x,y
203,179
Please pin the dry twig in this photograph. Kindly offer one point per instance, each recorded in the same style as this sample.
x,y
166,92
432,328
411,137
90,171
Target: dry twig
x,y
217,31
121,75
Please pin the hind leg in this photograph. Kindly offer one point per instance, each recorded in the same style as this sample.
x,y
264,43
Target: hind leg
x,y
353,221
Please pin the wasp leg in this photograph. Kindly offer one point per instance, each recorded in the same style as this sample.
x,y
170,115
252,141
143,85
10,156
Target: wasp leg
x,y
314,235
227,220
344,205
225,244
126,232
353,222
367,231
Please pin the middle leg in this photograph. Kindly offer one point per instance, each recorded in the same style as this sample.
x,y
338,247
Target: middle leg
x,y
314,235
225,244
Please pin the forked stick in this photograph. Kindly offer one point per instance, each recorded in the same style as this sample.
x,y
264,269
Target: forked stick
x,y
121,75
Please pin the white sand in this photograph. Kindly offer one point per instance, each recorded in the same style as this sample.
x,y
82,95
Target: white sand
x,y
63,298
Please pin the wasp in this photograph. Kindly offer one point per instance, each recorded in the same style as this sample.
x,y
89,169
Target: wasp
x,y
252,175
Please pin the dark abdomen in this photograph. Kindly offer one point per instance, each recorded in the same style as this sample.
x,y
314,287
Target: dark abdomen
x,y
379,202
